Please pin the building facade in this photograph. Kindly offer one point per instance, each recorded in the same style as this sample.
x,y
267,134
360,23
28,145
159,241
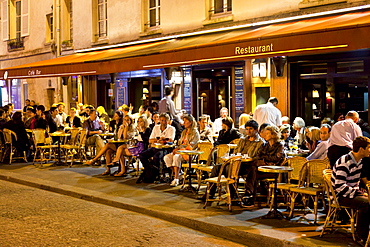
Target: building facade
x,y
216,53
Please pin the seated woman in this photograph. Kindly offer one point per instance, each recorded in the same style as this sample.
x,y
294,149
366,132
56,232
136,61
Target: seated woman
x,y
72,120
189,138
125,131
123,150
313,138
31,121
272,151
116,121
227,133
285,135
17,125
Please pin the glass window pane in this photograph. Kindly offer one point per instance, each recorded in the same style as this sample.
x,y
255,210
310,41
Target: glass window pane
x,y
152,17
219,5
229,5
152,4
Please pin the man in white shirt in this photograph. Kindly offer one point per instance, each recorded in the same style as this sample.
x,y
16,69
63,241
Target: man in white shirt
x,y
268,113
217,124
166,104
161,133
342,135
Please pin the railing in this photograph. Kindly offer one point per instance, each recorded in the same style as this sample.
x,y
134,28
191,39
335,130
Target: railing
x,y
16,44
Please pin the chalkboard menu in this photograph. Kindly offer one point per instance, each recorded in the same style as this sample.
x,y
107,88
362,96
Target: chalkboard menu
x,y
239,90
187,91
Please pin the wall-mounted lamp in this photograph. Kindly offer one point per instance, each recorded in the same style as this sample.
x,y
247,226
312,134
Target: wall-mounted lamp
x,y
145,90
328,95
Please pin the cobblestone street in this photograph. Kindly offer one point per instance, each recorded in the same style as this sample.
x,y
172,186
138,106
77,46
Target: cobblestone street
x,y
33,217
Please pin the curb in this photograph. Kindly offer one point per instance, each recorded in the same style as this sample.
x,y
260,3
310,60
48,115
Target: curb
x,y
234,235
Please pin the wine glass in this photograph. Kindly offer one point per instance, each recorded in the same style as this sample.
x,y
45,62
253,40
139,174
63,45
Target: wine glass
x,y
290,145
158,137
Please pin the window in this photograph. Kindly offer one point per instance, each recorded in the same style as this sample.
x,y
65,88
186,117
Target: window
x,y
14,19
102,18
49,28
154,13
66,23
222,6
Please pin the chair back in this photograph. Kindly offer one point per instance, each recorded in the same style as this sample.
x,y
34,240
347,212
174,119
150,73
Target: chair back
x,y
82,137
206,148
9,135
221,150
38,136
74,135
296,163
234,166
329,189
235,141
316,168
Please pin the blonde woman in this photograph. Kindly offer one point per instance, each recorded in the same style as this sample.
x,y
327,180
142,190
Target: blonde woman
x,y
142,144
313,133
189,138
272,151
125,131
103,115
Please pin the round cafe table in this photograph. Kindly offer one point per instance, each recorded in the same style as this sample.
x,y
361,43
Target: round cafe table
x,y
274,213
59,135
190,153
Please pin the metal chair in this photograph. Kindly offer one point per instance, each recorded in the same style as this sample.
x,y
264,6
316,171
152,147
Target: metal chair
x,y
310,186
9,137
335,208
223,183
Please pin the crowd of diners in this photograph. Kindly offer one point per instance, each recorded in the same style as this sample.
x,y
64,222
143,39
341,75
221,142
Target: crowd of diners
x,y
264,135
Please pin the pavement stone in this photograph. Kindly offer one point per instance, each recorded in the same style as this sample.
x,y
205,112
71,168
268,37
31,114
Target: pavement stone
x,y
243,226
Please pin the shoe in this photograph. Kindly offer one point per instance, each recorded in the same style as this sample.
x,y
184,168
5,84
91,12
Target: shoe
x,y
248,201
174,182
120,174
105,173
113,164
90,162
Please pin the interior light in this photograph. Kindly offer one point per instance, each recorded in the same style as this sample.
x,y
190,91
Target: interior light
x,y
314,107
315,94
328,94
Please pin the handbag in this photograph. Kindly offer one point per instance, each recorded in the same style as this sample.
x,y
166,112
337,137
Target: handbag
x,y
185,156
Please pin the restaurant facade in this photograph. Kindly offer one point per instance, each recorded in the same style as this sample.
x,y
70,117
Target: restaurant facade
x,y
316,64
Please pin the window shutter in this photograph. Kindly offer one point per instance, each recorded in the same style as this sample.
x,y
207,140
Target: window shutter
x,y
4,19
25,18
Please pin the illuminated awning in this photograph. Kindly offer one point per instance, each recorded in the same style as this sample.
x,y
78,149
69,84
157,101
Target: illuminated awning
x,y
346,32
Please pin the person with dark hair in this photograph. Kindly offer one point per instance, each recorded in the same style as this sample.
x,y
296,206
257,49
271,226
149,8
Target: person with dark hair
x,y
342,135
31,122
56,117
227,133
217,124
205,131
94,127
321,149
161,133
3,119
339,116
116,121
17,125
62,115
166,104
155,120
346,180
28,103
50,123
268,113
6,110
41,122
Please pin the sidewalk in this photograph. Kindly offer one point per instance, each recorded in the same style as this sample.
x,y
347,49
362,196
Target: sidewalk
x,y
162,201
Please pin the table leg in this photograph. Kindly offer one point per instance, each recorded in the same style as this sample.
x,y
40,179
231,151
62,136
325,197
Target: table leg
x,y
190,187
274,213
59,162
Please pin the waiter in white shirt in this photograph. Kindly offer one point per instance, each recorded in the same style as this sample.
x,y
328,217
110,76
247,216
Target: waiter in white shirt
x,y
342,135
268,113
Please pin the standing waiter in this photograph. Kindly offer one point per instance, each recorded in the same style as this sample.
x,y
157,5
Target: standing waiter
x,y
342,135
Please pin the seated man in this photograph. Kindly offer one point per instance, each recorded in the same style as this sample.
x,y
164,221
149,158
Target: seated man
x,y
248,144
321,150
205,131
161,133
94,127
346,180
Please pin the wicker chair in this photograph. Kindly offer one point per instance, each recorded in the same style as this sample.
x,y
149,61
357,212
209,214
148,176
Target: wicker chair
x,y
42,144
335,208
9,136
